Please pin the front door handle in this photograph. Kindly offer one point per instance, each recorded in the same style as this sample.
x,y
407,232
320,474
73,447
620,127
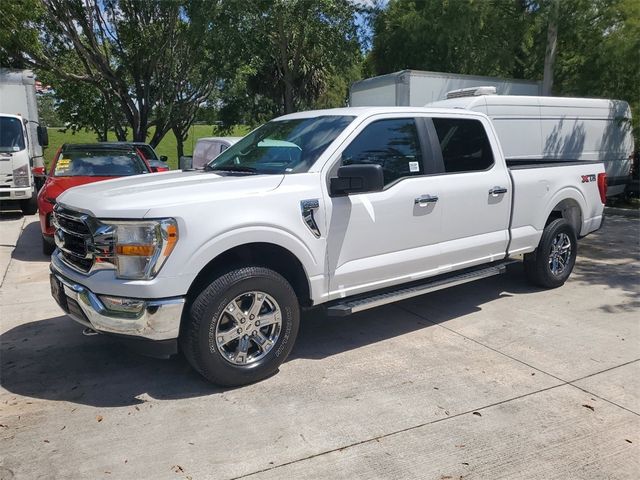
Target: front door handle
x,y
424,200
495,191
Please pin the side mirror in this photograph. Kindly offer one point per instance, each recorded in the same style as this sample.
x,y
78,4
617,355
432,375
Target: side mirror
x,y
360,178
163,158
43,136
185,163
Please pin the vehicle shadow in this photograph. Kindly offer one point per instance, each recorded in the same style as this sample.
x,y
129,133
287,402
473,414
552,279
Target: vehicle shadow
x,y
29,245
51,359
6,214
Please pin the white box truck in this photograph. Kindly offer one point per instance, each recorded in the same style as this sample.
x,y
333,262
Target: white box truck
x,y
549,129
21,139
414,88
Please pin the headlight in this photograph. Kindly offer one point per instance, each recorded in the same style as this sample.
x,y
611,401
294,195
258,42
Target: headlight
x,y
21,176
141,248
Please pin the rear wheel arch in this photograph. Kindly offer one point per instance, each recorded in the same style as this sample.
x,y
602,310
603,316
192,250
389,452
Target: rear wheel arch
x,y
569,209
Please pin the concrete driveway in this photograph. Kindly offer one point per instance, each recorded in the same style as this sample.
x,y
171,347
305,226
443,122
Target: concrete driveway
x,y
494,379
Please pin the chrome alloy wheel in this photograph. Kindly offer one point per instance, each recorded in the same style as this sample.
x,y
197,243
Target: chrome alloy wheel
x,y
248,328
560,253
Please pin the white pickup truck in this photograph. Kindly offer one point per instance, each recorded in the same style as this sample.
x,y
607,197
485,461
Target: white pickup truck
x,y
347,208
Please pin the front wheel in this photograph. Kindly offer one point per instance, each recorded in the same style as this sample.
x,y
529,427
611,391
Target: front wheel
x,y
241,327
48,246
30,205
552,262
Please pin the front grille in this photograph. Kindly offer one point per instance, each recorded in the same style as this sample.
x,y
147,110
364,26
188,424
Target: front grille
x,y
73,239
77,226
6,180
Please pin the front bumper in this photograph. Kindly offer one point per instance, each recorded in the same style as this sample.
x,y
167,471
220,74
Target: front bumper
x,y
16,193
157,319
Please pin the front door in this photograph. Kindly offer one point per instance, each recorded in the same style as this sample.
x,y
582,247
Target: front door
x,y
389,237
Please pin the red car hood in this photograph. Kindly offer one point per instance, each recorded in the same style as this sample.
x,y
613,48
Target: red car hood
x,y
56,185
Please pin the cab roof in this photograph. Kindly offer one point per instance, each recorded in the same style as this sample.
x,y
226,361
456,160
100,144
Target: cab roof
x,y
368,111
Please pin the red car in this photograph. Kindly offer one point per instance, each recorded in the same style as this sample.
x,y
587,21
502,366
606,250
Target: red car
x,y
79,164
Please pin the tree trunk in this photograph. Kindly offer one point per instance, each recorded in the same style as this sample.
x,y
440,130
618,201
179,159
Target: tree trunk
x,y
552,49
121,133
179,142
288,96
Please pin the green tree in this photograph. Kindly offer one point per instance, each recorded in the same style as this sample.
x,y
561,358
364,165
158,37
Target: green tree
x,y
463,36
145,60
291,51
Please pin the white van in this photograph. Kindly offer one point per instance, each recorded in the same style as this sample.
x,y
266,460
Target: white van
x,y
557,128
208,148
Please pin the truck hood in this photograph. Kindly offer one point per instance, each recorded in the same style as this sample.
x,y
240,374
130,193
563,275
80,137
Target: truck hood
x,y
134,197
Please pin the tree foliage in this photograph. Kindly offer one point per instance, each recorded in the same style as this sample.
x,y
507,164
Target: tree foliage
x,y
144,60
598,42
291,52
470,37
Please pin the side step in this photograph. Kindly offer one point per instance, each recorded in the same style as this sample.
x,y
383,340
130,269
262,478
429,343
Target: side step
x,y
355,304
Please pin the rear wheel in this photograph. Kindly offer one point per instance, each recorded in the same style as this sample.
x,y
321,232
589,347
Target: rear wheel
x,y
552,262
241,327
30,205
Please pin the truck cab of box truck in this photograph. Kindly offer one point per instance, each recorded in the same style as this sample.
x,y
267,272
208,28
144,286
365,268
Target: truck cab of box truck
x,y
21,139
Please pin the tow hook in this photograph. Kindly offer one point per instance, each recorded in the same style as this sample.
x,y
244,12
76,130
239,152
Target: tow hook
x,y
89,332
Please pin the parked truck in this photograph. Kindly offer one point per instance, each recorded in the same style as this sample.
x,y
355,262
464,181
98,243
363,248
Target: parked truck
x,y
21,139
414,88
347,209
546,129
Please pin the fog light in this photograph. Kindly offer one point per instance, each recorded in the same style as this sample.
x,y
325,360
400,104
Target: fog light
x,y
129,307
20,194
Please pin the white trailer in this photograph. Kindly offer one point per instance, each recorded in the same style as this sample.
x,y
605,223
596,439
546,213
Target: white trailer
x,y
415,88
21,138
548,129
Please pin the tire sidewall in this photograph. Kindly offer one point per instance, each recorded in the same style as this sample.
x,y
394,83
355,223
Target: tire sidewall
x,y
210,308
551,232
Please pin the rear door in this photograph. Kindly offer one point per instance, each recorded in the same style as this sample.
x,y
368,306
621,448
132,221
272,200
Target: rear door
x,y
475,192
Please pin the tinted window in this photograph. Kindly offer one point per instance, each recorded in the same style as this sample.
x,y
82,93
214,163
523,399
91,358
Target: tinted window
x,y
147,151
11,137
282,146
392,144
98,164
464,143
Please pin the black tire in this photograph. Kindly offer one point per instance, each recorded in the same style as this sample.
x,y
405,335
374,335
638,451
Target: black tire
x,y
48,246
30,205
538,264
198,337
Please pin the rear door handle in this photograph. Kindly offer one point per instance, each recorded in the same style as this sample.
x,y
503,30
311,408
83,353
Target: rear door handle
x,y
424,200
495,191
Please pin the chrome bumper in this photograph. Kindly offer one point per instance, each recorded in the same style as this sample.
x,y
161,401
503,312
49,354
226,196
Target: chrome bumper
x,y
155,320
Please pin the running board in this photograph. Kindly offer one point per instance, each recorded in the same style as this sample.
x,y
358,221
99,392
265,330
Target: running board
x,y
348,306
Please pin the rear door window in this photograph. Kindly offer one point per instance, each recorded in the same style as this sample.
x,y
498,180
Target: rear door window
x,y
464,144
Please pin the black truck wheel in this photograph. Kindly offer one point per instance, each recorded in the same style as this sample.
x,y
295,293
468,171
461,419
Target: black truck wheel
x,y
30,205
48,246
241,327
551,263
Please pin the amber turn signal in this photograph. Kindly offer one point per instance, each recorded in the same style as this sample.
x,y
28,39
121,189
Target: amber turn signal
x,y
135,250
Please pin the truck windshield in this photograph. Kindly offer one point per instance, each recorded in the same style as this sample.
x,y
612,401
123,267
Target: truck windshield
x,y
99,164
282,146
11,135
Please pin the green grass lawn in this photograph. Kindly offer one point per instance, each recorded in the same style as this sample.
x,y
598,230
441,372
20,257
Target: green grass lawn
x,y
166,147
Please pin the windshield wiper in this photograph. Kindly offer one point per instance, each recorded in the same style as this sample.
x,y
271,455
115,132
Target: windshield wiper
x,y
231,168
